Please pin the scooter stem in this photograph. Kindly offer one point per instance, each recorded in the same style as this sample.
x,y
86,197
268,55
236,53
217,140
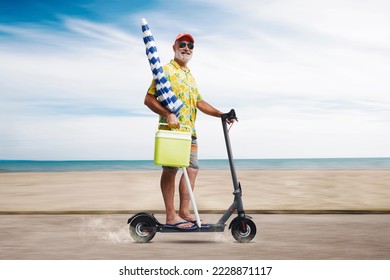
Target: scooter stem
x,y
229,116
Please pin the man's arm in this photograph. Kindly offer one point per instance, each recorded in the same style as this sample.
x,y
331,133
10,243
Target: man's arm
x,y
152,103
211,111
208,109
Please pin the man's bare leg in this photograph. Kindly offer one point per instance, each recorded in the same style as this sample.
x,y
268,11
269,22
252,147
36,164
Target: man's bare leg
x,y
167,184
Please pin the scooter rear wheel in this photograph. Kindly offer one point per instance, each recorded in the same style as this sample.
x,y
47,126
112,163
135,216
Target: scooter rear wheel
x,y
244,230
142,229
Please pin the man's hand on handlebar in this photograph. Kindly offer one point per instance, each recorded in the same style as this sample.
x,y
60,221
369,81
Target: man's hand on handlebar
x,y
230,117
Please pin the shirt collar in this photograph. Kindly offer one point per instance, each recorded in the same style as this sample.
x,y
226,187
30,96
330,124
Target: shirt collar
x,y
177,66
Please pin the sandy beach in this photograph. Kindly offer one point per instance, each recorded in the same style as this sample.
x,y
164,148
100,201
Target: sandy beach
x,y
132,191
119,194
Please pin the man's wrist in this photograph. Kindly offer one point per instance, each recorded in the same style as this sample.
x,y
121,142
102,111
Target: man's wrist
x,y
166,114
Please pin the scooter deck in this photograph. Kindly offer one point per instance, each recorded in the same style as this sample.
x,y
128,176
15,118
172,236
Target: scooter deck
x,y
208,228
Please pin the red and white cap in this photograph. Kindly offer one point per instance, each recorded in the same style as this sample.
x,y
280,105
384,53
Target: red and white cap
x,y
185,35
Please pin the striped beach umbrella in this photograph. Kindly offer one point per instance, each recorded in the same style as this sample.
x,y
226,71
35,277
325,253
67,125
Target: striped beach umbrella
x,y
165,94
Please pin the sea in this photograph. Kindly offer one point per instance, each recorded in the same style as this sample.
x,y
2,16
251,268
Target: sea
x,y
380,163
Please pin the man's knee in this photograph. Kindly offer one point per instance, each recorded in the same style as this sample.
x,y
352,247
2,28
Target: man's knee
x,y
192,172
169,174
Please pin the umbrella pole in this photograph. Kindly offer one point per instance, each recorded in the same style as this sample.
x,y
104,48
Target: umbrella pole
x,y
188,184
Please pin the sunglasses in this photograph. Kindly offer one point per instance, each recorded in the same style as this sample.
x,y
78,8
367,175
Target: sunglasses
x,y
184,44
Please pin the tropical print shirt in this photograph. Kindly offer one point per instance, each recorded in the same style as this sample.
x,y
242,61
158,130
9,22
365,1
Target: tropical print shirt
x,y
184,87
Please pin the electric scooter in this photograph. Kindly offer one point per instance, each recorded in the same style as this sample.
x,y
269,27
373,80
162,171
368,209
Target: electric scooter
x,y
144,226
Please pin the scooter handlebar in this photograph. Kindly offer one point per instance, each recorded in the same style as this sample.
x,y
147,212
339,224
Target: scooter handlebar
x,y
229,116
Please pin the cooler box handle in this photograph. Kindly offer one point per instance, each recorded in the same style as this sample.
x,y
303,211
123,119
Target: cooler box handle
x,y
181,125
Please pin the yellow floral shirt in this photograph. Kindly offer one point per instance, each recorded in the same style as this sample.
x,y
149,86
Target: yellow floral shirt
x,y
184,87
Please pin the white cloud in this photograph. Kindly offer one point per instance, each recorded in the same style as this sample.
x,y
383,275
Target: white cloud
x,y
102,33
77,73
309,48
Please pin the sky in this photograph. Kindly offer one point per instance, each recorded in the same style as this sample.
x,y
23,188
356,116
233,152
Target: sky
x,y
308,79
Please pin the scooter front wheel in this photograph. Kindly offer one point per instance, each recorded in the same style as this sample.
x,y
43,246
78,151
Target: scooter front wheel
x,y
243,230
142,229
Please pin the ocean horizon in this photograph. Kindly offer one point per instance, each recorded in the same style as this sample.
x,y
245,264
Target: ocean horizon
x,y
374,163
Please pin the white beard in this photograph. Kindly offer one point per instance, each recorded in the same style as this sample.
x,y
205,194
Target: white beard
x,y
183,56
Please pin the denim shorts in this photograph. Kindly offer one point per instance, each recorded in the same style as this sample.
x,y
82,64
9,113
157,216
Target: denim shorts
x,y
193,158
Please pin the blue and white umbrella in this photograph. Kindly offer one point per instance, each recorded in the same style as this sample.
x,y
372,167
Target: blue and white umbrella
x,y
164,90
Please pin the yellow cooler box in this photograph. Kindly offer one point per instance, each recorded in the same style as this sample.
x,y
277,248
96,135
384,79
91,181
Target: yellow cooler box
x,y
172,147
